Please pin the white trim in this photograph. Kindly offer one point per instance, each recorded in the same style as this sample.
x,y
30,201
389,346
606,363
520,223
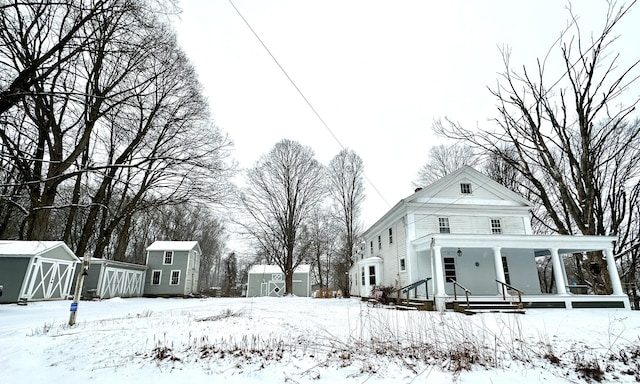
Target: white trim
x,y
171,277
164,257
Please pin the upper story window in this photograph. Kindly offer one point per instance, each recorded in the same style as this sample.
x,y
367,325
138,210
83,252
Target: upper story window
x,y
443,223
465,188
496,227
379,242
372,247
168,257
390,236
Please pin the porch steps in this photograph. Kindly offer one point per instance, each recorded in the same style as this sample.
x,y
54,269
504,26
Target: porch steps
x,y
475,307
420,305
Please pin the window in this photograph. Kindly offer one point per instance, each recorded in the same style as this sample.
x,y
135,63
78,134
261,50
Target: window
x,y
465,188
379,242
403,266
372,247
443,223
495,226
175,277
168,257
363,280
156,277
505,267
449,269
390,236
372,275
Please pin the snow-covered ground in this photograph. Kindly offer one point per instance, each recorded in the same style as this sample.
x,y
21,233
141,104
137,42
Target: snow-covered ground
x,y
303,340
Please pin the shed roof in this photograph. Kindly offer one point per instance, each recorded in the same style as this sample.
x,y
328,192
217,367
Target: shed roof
x,y
30,248
264,268
172,246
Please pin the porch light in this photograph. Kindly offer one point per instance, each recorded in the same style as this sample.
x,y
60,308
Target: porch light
x,y
459,252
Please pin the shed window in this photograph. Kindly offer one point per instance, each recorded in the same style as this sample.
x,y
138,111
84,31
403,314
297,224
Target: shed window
x,y
443,223
496,228
168,257
390,236
372,275
175,277
156,277
449,269
465,188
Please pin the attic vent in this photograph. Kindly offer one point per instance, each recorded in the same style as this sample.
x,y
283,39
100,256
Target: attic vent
x,y
465,188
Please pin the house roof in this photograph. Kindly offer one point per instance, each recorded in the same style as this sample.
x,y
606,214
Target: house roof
x,y
264,268
173,246
31,248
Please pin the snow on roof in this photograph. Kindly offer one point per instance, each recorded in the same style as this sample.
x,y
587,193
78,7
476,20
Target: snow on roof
x,y
264,268
18,247
172,246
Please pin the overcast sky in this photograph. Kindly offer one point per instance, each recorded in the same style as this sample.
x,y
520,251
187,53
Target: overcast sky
x,y
377,72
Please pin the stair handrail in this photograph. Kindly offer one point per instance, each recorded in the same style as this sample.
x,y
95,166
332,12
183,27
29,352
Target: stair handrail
x,y
506,286
415,285
455,293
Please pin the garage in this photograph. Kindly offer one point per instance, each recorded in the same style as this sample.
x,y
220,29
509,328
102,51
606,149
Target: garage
x,y
36,270
107,278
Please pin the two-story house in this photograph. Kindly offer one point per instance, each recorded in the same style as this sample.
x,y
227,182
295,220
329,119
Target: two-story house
x,y
469,229
173,268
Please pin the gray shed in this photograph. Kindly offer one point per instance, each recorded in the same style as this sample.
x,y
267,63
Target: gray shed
x,y
108,278
36,270
269,280
173,268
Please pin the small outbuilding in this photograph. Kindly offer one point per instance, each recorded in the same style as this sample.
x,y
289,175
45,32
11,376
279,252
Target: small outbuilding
x,y
173,268
108,278
36,270
269,280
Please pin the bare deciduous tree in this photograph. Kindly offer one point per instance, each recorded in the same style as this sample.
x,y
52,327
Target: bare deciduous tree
x,y
346,180
443,159
284,187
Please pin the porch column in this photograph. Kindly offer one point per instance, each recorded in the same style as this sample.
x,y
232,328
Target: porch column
x,y
497,261
561,285
438,272
613,272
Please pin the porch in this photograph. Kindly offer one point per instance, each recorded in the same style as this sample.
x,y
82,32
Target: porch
x,y
484,264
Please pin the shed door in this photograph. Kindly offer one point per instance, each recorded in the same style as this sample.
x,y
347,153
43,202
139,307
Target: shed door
x,y
48,279
121,282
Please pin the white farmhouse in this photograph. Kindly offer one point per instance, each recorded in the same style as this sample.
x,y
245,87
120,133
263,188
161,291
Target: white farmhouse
x,y
468,229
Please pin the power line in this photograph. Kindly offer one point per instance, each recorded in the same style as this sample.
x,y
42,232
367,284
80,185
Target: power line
x,y
326,126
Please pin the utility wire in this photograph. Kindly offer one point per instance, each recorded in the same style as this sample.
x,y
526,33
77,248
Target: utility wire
x,y
303,96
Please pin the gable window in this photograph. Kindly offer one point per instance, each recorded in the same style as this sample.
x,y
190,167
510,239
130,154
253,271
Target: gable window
x,y
379,242
372,275
175,277
156,277
505,267
496,228
168,257
390,236
403,266
443,223
465,188
449,269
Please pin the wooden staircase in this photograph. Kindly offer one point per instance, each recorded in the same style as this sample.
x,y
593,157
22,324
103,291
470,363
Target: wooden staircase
x,y
472,306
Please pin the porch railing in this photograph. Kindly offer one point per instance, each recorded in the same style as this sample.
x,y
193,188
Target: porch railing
x,y
506,286
415,286
455,291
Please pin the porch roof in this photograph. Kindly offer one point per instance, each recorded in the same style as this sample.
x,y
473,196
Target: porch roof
x,y
539,243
